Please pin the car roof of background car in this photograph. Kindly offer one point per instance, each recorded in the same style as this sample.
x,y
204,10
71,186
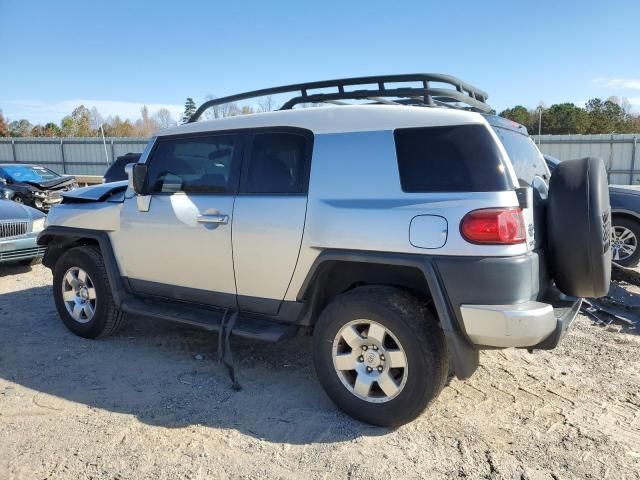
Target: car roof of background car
x,y
340,119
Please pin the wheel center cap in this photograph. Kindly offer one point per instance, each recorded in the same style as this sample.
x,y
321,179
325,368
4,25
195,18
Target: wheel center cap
x,y
83,293
372,359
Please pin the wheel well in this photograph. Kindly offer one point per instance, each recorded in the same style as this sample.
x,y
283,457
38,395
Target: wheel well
x,y
57,245
335,277
626,216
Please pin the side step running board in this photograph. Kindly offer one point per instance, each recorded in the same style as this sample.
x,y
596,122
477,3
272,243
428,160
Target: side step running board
x,y
247,326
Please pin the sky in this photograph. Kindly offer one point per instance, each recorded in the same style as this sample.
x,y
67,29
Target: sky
x,y
119,55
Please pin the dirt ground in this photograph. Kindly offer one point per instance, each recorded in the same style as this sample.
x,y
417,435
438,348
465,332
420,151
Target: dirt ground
x,y
150,402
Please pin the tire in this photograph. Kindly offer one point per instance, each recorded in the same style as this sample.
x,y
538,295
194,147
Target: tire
x,y
408,327
106,318
625,241
579,228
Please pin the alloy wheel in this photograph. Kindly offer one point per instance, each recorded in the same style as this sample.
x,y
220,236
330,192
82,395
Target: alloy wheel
x,y
623,242
79,295
370,361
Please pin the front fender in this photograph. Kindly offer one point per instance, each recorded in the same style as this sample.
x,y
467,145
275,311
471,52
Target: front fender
x,y
59,239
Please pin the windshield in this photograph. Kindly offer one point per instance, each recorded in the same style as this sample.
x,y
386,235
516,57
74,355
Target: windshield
x,y
28,173
525,156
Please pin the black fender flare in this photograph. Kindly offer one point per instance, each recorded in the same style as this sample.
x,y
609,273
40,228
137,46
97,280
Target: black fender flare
x,y
58,238
464,355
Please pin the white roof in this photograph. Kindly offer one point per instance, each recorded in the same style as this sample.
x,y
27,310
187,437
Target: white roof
x,y
338,119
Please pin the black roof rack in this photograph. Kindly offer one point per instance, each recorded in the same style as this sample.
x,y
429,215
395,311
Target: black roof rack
x,y
470,97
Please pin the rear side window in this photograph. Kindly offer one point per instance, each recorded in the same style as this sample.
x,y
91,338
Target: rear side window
x,y
457,158
278,163
202,164
524,155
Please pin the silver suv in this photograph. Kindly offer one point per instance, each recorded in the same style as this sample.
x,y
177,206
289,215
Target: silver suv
x,y
405,232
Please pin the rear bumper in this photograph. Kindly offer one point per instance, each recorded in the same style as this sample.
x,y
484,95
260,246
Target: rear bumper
x,y
530,324
507,301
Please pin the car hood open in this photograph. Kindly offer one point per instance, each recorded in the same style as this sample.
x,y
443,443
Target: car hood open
x,y
95,193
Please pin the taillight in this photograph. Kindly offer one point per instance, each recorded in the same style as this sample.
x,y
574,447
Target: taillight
x,y
494,225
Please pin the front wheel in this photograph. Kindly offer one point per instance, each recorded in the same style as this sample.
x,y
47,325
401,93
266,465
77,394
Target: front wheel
x,y
380,355
82,293
624,242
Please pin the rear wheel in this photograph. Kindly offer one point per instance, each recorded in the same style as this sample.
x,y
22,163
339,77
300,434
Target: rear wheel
x,y
82,293
624,241
380,355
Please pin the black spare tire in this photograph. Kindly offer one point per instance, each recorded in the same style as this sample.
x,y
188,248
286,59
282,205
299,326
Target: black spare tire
x,y
579,227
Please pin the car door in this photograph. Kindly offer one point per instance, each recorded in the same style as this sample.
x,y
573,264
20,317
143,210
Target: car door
x,y
175,241
269,216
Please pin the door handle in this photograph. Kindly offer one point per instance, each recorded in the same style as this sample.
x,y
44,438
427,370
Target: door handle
x,y
217,219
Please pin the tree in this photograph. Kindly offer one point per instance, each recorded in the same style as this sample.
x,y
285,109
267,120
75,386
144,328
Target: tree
x,y
607,116
189,109
518,114
4,128
96,120
81,117
116,127
146,126
78,124
565,118
246,109
266,104
67,127
164,119
20,128
52,130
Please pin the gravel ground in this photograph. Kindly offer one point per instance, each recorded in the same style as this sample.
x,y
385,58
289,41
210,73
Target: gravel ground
x,y
150,403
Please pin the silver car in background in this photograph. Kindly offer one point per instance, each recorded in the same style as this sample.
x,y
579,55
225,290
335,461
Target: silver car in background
x,y
19,228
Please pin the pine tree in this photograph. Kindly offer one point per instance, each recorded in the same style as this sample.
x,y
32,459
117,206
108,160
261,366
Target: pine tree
x,y
189,109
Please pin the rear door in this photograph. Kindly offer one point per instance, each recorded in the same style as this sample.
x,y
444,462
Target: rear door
x,y
269,216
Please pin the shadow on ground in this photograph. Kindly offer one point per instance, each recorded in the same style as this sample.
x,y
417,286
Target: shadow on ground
x,y
149,370
13,268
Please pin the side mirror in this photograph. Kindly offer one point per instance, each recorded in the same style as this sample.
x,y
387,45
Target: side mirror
x,y
137,175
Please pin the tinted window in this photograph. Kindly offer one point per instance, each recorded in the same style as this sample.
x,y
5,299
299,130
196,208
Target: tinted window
x,y
278,164
525,156
459,158
203,164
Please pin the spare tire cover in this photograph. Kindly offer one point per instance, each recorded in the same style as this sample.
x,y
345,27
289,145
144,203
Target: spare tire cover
x,y
579,228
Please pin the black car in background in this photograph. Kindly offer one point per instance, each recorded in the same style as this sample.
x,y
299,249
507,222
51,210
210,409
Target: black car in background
x,y
33,185
625,216
115,172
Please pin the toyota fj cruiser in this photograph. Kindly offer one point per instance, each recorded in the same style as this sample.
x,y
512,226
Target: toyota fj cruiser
x,y
405,232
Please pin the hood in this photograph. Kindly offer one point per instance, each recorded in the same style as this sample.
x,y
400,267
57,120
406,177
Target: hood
x,y
14,211
56,182
94,193
628,189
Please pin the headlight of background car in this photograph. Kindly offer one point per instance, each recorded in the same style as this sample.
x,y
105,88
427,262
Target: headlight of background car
x,y
40,194
5,194
38,224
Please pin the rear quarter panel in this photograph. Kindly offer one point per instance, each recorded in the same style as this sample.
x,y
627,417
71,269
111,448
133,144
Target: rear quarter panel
x,y
356,202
